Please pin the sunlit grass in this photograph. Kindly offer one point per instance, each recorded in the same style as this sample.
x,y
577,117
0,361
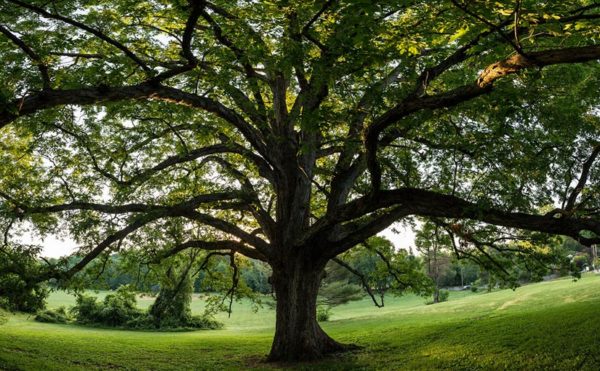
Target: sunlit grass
x,y
550,325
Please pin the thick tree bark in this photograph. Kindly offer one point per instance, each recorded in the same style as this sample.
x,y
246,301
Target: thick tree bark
x,y
298,336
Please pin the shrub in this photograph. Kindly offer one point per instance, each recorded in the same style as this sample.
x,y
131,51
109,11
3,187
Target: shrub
x,y
443,295
474,288
53,316
147,322
86,309
204,322
323,314
119,308
142,322
3,317
4,304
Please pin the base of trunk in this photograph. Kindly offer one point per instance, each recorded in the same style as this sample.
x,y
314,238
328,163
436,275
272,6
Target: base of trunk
x,y
317,348
298,335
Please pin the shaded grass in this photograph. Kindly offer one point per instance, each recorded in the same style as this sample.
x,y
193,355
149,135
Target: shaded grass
x,y
550,325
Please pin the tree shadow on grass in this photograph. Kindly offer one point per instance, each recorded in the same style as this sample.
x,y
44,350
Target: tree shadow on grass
x,y
558,338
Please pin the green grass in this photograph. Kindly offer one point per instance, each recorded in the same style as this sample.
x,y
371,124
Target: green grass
x,y
550,325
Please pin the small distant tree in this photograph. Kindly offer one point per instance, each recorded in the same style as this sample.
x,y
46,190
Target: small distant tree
x,y
433,244
459,273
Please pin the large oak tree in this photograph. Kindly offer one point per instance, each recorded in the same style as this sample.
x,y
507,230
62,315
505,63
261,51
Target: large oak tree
x,y
290,132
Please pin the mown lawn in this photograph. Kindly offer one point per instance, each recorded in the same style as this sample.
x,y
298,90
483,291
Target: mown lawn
x,y
550,325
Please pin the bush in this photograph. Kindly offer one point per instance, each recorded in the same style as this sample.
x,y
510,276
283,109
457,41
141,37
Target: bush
x,y
474,288
204,322
3,317
117,309
86,309
4,304
443,295
53,316
147,322
323,314
143,322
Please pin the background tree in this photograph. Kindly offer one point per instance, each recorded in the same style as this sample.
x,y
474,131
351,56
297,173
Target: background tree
x,y
460,273
256,276
172,307
432,242
380,269
291,132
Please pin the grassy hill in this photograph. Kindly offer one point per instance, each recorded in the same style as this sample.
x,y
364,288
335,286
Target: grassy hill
x,y
549,325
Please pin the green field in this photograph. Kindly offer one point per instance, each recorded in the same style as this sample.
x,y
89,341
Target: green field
x,y
550,325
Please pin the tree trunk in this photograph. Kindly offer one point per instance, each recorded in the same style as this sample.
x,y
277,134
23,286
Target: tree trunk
x,y
298,336
436,270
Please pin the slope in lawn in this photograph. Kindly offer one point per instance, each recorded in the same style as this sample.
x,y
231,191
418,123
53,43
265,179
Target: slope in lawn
x,y
550,325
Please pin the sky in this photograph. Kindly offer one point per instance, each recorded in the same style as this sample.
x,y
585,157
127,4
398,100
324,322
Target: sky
x,y
53,247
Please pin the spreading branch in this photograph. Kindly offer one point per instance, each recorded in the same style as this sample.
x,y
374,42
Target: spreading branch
x,y
35,58
33,103
225,245
483,85
585,173
363,280
46,14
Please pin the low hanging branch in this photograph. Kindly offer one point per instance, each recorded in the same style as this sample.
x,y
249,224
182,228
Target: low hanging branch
x,y
52,272
392,270
235,279
364,282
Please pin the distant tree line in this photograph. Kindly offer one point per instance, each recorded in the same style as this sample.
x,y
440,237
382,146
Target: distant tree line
x,y
375,269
